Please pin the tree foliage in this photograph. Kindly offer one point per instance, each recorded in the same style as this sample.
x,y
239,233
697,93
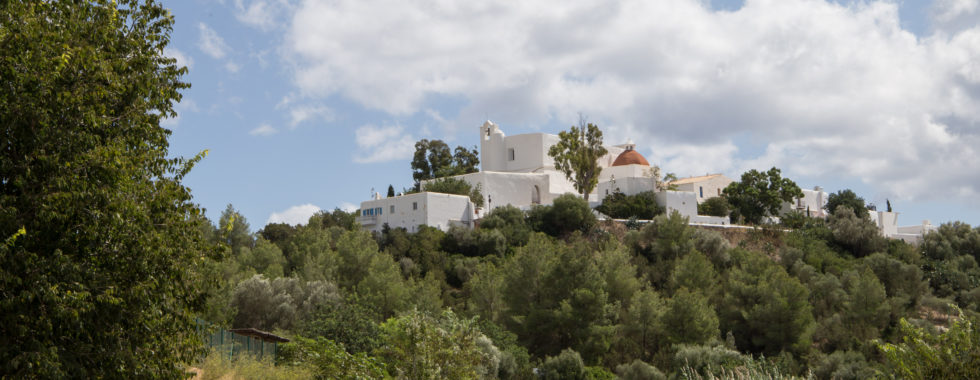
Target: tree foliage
x,y
760,194
99,280
565,215
849,199
577,155
714,206
457,186
621,206
954,354
433,159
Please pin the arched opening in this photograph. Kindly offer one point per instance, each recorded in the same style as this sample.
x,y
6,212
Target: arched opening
x,y
535,195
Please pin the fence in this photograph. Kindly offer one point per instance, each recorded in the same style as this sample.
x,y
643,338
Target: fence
x,y
256,343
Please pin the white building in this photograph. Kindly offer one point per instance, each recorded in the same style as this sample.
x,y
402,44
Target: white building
x,y
812,202
411,210
704,187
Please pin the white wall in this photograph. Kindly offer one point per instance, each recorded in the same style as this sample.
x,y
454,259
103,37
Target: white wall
x,y
707,188
432,209
625,185
814,200
887,222
492,147
516,189
686,203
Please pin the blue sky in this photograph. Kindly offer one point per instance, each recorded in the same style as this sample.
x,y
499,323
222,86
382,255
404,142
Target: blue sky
x,y
307,105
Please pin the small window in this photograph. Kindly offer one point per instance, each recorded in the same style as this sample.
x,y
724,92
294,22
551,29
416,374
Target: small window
x,y
391,209
415,205
379,210
719,190
701,191
510,154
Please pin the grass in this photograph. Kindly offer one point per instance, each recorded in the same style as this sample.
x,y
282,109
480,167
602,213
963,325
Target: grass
x,y
217,366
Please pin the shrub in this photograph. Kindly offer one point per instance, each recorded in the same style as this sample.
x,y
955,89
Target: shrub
x,y
567,214
714,206
639,370
567,365
453,185
621,206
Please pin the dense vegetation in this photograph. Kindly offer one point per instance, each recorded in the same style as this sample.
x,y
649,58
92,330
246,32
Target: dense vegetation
x,y
105,261
556,290
98,236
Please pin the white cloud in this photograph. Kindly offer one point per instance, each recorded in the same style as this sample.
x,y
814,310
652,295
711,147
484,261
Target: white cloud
x,y
182,59
383,144
232,67
303,113
211,43
262,14
948,10
294,215
263,130
821,88
348,207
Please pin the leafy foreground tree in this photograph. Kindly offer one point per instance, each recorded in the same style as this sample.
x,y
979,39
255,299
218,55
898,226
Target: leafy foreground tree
x,y
760,194
954,354
577,155
98,233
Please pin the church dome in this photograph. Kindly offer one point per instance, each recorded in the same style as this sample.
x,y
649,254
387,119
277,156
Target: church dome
x,y
630,157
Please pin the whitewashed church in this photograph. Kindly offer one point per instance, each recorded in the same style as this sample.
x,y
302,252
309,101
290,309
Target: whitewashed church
x,y
517,171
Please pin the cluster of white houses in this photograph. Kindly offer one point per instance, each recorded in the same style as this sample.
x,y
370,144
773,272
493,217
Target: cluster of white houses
x,y
516,170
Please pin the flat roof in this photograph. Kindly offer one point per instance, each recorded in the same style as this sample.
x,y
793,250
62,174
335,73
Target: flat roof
x,y
687,180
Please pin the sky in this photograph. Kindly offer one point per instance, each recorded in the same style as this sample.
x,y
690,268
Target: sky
x,y
307,105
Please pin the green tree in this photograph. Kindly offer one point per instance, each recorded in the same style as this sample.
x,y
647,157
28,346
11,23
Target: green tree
x,y
765,308
577,155
689,319
511,222
849,199
566,366
233,230
100,235
858,235
639,370
954,354
465,161
420,346
565,215
714,206
760,194
433,159
621,206
456,186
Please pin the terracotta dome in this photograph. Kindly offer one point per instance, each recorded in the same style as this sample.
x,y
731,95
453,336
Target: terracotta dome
x,y
630,157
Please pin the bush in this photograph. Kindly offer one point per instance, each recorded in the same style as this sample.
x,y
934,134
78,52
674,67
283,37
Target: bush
x,y
280,303
567,214
458,186
567,365
327,359
621,206
511,222
714,206
639,370
858,235
348,323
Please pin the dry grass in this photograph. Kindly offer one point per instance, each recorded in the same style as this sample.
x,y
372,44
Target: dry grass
x,y
217,366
